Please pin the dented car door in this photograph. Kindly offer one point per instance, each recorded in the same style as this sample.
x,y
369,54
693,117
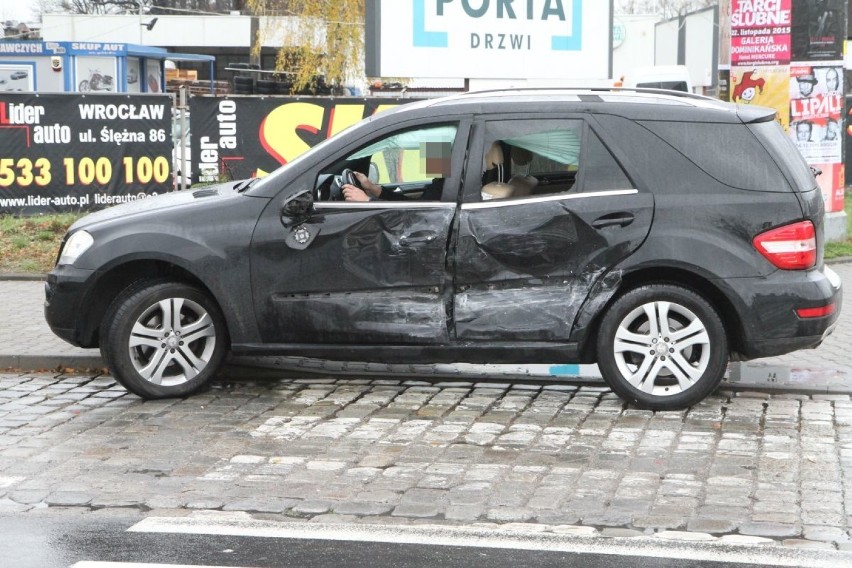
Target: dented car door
x,y
553,213
371,272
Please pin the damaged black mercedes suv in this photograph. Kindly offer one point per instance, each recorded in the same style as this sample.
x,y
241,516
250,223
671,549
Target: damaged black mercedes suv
x,y
659,235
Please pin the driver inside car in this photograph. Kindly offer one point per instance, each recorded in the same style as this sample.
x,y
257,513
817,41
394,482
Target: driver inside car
x,y
435,159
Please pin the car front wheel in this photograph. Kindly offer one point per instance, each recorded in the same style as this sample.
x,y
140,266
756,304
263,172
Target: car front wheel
x,y
662,347
163,339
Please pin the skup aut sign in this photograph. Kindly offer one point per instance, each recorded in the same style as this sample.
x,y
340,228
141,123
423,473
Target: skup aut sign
x,y
489,39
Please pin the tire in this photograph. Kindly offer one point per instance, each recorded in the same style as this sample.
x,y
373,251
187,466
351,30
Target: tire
x,y
243,85
686,335
84,86
153,360
266,87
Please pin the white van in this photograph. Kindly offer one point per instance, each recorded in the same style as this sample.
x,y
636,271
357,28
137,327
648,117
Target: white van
x,y
674,77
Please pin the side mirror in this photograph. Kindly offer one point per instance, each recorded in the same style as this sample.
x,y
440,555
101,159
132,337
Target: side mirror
x,y
297,208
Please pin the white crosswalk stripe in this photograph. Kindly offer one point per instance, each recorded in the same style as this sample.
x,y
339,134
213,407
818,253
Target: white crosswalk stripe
x,y
95,564
671,546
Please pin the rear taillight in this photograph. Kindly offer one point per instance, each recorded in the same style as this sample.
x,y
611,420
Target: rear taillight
x,y
791,247
820,312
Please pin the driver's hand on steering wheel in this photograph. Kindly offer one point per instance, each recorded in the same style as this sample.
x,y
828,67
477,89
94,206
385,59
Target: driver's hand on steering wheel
x,y
352,193
370,188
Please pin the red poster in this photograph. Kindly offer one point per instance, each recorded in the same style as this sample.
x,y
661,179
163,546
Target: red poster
x,y
760,32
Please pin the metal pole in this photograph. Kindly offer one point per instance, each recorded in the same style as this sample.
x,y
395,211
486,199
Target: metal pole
x,y
183,137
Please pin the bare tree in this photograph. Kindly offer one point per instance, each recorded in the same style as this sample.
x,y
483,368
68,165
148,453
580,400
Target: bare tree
x,y
98,6
666,8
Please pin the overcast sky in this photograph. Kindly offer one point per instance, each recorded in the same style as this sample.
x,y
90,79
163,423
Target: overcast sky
x,y
17,10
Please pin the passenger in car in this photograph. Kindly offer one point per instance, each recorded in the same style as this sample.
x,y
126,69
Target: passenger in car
x,y
494,178
522,184
494,184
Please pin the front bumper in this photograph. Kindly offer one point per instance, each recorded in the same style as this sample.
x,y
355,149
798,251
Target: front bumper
x,y
768,311
64,297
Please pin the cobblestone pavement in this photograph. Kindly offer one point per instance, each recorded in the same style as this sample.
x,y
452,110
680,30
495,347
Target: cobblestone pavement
x,y
746,466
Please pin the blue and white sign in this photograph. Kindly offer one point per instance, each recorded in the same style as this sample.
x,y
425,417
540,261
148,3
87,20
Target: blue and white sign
x,y
490,39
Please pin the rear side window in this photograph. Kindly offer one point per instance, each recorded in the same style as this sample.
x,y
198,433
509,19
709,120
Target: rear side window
x,y
600,170
730,153
785,152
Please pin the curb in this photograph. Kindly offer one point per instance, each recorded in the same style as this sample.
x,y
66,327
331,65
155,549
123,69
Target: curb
x,y
280,367
33,363
22,277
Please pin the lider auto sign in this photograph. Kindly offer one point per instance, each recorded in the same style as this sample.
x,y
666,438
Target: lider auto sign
x,y
489,39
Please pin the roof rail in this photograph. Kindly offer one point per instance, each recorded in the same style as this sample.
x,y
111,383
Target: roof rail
x,y
643,90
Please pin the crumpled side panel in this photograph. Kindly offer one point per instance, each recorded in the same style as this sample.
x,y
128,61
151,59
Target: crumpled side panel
x,y
518,314
392,317
508,242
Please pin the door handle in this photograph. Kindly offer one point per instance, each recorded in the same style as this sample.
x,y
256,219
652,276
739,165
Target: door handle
x,y
420,237
613,220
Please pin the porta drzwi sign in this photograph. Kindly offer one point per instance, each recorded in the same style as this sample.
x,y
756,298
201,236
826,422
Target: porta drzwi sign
x,y
489,39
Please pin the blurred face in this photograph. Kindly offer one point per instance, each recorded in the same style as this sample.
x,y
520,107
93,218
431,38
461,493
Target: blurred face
x,y
436,158
803,131
806,88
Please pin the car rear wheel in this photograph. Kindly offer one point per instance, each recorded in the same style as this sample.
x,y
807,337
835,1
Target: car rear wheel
x,y
662,347
163,339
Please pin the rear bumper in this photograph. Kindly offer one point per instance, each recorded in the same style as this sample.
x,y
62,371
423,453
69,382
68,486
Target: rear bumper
x,y
772,326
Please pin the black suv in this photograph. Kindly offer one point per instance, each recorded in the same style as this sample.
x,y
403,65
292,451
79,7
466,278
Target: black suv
x,y
656,234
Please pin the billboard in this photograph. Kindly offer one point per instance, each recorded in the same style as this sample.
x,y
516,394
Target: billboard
x,y
489,39
62,152
242,137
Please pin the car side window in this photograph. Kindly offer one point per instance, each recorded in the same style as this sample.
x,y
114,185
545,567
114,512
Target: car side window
x,y
545,157
410,157
530,158
601,171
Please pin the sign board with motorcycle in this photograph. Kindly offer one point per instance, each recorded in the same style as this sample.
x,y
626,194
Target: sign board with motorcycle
x,y
242,137
95,74
64,152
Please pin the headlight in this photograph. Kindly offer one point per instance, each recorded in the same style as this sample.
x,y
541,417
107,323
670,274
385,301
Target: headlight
x,y
76,245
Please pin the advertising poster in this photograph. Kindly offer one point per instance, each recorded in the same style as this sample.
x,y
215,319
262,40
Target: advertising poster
x,y
133,83
848,135
760,32
816,112
819,30
63,152
831,183
95,74
16,78
248,137
763,86
154,76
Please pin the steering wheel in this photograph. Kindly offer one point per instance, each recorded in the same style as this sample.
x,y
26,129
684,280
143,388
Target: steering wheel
x,y
347,176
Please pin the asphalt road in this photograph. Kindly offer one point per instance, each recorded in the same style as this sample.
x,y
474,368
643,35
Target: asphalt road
x,y
59,542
